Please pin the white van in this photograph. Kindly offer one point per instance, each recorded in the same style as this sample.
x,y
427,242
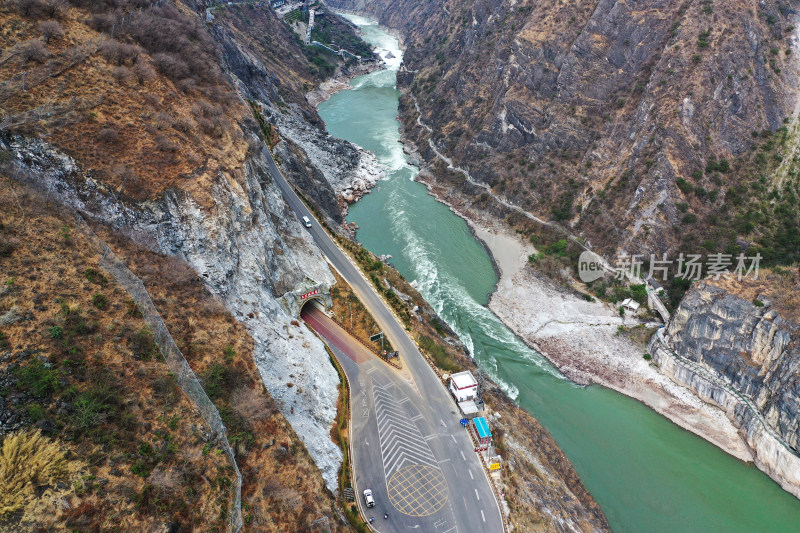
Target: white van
x,y
306,222
368,498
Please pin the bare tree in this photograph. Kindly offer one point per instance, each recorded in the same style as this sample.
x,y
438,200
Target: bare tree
x,y
108,136
50,29
252,404
35,51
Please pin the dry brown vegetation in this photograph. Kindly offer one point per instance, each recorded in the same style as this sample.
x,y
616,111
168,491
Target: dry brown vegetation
x,y
29,460
88,371
144,110
351,313
149,461
781,285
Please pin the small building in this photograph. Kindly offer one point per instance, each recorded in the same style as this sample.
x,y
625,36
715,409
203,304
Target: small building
x,y
468,408
655,285
482,431
464,386
630,305
276,3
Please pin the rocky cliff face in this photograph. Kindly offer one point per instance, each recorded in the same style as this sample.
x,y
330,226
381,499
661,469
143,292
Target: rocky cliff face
x,y
744,358
603,115
251,251
202,192
268,69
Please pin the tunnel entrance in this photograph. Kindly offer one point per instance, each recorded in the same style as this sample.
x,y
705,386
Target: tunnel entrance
x,y
294,301
315,301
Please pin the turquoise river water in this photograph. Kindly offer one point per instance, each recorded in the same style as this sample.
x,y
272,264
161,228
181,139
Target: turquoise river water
x,y
647,474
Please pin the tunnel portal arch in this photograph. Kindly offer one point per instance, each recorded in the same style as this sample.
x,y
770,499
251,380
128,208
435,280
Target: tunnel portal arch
x,y
295,300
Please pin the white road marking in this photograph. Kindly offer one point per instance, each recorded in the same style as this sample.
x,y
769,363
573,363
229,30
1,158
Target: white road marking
x,y
470,474
417,418
462,455
401,442
454,438
477,495
484,518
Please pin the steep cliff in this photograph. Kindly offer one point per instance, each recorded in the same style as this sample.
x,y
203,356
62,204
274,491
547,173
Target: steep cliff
x,y
129,115
271,70
736,346
80,362
640,126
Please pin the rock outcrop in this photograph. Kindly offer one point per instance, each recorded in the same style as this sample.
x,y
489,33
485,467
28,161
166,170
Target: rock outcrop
x,y
744,358
250,251
269,74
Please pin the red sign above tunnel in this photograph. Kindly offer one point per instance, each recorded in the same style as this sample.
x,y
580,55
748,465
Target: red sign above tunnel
x,y
309,294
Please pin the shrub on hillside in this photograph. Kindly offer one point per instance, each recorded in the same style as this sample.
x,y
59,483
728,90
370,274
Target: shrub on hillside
x,y
252,404
181,47
123,75
108,136
143,71
120,53
165,145
35,51
38,9
27,461
51,29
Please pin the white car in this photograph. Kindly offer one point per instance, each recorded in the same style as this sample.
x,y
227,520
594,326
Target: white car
x,y
368,499
306,222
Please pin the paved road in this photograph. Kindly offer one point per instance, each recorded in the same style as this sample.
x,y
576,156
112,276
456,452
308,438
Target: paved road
x,y
408,445
425,475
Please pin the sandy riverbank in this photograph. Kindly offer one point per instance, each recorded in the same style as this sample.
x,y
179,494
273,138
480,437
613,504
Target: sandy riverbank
x,y
581,339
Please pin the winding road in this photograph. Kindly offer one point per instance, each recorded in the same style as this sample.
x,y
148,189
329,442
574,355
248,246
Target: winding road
x,y
407,443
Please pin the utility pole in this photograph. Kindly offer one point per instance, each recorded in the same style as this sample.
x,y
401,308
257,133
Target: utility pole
x,y
351,315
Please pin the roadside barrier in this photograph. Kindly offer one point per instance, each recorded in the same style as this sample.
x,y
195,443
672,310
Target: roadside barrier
x,y
497,496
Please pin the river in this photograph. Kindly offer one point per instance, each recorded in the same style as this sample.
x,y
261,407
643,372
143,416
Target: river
x,y
645,472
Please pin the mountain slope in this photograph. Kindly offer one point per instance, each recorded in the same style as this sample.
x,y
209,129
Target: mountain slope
x,y
617,119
